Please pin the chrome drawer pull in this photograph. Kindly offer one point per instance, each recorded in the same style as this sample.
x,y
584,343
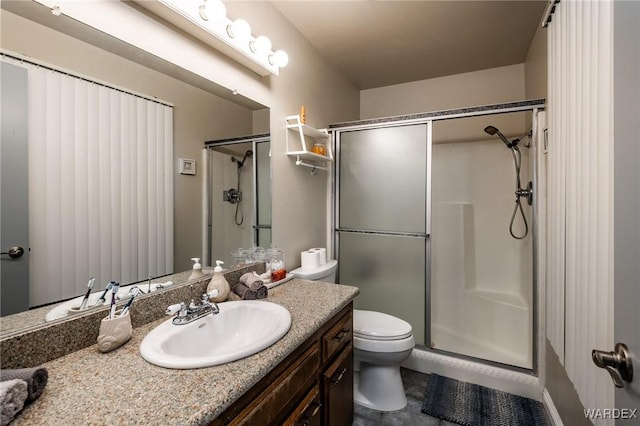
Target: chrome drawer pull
x,y
309,416
342,333
337,380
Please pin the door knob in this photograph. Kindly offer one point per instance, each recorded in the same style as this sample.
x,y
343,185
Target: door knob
x,y
617,363
14,252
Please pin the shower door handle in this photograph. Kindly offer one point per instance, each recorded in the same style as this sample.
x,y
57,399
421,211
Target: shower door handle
x,y
617,363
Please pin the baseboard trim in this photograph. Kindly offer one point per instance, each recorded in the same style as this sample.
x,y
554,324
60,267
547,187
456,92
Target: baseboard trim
x,y
552,411
514,382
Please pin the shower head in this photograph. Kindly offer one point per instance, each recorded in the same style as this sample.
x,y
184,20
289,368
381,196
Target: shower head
x,y
240,163
494,130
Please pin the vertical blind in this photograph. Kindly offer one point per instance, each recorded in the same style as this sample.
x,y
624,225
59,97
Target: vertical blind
x,y
580,207
100,185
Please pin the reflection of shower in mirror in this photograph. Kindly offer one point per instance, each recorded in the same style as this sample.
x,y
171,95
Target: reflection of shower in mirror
x,y
234,195
238,195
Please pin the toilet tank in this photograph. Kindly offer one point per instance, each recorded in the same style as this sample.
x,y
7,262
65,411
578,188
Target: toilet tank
x,y
326,272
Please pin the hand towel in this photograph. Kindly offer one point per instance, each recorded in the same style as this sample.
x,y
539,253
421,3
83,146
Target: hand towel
x,y
13,394
252,281
244,292
266,277
36,379
262,293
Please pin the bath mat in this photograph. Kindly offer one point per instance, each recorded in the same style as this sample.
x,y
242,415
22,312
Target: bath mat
x,y
473,405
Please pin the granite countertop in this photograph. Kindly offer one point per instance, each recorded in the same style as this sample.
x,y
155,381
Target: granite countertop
x,y
119,387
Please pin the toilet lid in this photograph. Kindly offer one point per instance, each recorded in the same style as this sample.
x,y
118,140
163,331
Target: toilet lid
x,y
379,326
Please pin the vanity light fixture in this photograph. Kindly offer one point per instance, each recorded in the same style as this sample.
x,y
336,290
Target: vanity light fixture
x,y
212,10
239,29
207,21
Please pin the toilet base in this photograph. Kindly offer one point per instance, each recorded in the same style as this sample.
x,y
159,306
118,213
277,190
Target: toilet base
x,y
379,387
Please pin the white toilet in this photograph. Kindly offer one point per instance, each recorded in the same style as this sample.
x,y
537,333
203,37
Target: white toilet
x,y
381,342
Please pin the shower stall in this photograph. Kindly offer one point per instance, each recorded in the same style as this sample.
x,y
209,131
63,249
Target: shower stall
x,y
435,223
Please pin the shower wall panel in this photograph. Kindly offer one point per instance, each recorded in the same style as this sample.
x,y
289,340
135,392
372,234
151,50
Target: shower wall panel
x,y
481,277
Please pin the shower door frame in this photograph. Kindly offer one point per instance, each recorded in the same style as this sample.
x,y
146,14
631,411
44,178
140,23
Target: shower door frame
x,y
428,118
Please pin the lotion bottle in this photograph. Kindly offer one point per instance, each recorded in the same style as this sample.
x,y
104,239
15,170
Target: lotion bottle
x,y
197,269
220,283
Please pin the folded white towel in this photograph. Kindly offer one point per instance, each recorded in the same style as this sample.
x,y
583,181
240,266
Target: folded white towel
x,y
13,394
266,277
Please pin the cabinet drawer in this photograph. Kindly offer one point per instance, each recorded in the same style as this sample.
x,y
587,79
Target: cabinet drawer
x,y
308,413
337,336
282,393
337,389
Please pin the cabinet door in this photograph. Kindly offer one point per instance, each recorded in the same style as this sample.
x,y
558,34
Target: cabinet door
x,y
338,390
308,412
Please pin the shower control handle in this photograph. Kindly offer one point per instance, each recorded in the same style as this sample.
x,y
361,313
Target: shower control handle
x,y
617,363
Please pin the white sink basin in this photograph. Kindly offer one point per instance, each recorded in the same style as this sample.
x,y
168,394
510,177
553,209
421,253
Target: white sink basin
x,y
242,328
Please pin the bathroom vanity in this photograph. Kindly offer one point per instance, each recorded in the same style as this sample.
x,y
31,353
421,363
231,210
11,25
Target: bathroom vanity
x,y
312,386
304,378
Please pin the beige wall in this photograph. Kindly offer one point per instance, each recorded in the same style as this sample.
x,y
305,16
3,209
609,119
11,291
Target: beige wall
x,y
535,67
492,86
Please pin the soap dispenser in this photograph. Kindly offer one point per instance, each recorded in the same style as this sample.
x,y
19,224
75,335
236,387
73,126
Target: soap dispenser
x,y
197,269
220,283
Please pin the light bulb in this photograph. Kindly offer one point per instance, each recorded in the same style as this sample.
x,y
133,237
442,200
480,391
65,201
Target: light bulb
x,y
213,10
261,45
239,29
279,58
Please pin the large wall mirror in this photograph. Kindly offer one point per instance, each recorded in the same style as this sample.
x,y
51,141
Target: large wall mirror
x,y
195,110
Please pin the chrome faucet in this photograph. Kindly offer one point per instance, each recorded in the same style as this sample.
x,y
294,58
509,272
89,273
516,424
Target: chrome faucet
x,y
186,314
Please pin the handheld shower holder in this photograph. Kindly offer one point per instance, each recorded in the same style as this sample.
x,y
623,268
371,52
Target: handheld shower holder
x,y
527,193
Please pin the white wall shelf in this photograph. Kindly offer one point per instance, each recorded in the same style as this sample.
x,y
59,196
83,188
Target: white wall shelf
x,y
299,146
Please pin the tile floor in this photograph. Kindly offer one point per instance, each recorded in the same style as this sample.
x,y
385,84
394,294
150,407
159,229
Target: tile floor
x,y
414,385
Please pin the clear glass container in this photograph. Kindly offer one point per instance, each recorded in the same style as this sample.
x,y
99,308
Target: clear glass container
x,y
276,263
238,257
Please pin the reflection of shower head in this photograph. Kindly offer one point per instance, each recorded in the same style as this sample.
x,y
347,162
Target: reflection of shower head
x,y
248,153
493,131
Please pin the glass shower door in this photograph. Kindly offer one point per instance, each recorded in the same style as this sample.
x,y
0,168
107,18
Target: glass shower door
x,y
382,212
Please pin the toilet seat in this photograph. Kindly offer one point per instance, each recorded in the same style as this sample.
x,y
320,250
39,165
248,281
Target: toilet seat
x,y
383,346
373,325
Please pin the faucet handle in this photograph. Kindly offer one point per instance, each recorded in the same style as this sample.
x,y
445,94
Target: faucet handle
x,y
206,296
174,308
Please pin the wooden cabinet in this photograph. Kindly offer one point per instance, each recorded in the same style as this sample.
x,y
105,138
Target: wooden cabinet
x,y
309,411
337,389
312,386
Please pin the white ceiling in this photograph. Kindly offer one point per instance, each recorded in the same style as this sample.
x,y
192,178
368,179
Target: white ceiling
x,y
380,43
